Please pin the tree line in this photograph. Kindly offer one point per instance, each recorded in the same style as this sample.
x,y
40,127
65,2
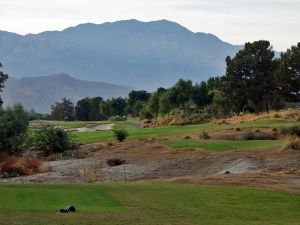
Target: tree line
x,y
255,81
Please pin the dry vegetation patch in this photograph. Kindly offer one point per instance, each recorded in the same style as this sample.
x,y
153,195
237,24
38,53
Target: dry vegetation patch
x,y
290,114
14,166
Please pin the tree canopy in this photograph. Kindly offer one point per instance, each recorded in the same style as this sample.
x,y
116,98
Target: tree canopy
x,y
63,110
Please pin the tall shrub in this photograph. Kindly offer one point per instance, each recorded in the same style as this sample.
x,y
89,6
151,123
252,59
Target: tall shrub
x,y
14,122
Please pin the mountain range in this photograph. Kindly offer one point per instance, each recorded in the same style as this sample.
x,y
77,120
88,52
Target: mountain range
x,y
39,93
141,54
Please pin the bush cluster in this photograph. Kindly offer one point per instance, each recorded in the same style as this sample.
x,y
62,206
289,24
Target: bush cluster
x,y
292,130
120,135
257,135
50,139
117,118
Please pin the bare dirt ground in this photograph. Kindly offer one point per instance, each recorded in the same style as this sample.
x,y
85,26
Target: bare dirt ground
x,y
147,160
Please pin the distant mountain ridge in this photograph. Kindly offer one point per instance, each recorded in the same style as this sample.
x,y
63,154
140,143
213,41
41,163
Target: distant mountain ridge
x,y
39,93
141,54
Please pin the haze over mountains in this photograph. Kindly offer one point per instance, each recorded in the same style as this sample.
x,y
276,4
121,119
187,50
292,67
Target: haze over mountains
x,y
144,55
141,54
39,93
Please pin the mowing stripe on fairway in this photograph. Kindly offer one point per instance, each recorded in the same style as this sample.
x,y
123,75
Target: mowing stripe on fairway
x,y
148,204
165,131
222,145
54,197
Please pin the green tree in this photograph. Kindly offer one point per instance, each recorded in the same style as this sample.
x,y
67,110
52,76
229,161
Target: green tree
x,y
214,83
94,113
146,114
200,95
164,104
3,78
63,110
105,109
118,106
135,96
88,109
220,103
181,93
14,123
153,105
250,76
137,107
288,74
82,109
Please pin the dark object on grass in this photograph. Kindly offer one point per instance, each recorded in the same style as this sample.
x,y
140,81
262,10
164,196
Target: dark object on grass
x,y
227,172
115,162
70,208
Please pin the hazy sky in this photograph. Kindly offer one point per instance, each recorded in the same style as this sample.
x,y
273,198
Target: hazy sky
x,y
235,21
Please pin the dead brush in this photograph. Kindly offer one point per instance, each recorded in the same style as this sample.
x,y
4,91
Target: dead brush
x,y
3,156
293,144
19,166
45,169
89,174
290,114
115,162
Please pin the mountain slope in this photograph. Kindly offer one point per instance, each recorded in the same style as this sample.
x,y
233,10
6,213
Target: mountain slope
x,y
39,93
141,54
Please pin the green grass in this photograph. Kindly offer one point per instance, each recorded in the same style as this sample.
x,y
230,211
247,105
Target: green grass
x,y
265,123
223,145
100,136
159,132
51,198
149,204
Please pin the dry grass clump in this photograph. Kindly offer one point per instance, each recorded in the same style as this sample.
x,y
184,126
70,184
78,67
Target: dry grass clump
x,y
204,135
293,144
180,120
289,114
89,174
18,166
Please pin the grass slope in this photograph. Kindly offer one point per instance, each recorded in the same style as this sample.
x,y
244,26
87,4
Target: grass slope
x,y
101,136
149,204
223,145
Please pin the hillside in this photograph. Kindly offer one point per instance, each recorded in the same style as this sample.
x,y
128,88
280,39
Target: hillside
x,y
39,93
141,54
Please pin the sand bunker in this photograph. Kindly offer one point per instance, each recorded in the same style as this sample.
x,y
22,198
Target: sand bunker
x,y
101,127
